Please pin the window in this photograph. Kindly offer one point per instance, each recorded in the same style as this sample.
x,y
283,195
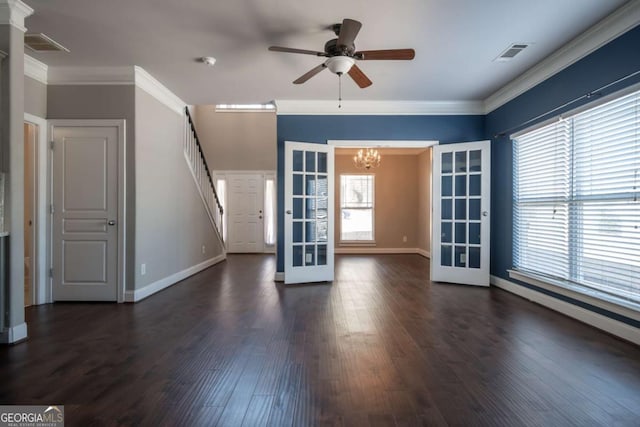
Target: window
x,y
270,211
576,200
221,187
356,208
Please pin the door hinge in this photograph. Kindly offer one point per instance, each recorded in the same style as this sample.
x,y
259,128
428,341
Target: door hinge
x,y
51,209
51,143
51,273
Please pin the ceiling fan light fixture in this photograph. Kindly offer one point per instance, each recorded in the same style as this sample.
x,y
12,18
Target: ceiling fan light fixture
x,y
340,64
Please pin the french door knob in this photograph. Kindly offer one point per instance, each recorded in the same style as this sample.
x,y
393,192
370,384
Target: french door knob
x,y
288,212
485,213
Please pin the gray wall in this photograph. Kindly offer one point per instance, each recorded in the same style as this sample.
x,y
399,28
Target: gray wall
x,y
237,140
171,221
103,102
35,97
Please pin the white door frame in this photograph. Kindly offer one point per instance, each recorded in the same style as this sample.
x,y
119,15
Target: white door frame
x,y
41,280
122,180
266,174
453,274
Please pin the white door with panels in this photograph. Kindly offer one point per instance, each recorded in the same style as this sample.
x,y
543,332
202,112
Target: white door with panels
x,y
85,212
245,213
309,217
461,222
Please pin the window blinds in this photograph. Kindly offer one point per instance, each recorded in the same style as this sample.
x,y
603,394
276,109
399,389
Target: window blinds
x,y
576,199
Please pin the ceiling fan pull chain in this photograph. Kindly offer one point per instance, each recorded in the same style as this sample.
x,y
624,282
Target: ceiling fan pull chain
x,y
340,90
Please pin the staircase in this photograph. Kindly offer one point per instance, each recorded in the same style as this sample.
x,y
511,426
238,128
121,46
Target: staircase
x,y
202,175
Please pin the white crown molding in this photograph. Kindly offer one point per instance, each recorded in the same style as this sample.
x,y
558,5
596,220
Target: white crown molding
x,y
35,69
91,76
608,29
13,12
364,143
401,108
129,75
153,87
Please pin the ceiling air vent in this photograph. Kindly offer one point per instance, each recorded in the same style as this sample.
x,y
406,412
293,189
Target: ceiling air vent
x,y
41,43
511,52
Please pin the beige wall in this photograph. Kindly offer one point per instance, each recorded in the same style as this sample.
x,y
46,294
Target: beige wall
x,y
237,140
396,199
35,97
424,200
171,221
103,102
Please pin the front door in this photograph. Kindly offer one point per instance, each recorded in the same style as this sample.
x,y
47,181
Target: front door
x,y
85,213
461,200
308,233
245,213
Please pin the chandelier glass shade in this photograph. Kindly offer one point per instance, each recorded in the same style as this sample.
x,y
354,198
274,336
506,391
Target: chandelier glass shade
x,y
367,159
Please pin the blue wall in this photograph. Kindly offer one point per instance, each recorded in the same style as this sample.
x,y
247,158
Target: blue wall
x,y
319,129
613,61
617,59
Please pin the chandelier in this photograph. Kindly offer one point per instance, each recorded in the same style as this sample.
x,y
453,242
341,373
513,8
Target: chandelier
x,y
367,159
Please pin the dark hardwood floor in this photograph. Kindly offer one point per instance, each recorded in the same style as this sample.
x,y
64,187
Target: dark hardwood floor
x,y
381,346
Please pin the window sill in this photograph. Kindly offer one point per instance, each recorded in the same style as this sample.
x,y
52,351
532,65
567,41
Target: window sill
x,y
580,293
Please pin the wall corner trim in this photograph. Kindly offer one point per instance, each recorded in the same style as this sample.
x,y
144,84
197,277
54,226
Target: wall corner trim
x,y
14,334
13,12
617,23
35,69
424,253
591,318
152,288
153,87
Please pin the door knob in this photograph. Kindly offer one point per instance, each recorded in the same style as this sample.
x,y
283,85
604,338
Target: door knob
x,y
111,222
485,213
288,212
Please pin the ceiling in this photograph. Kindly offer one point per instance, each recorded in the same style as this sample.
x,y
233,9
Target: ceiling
x,y
455,42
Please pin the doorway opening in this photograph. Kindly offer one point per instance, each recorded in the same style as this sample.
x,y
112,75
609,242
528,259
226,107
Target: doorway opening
x,y
30,176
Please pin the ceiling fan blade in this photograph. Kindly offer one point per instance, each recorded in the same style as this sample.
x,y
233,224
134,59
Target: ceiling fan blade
x,y
398,54
359,77
348,32
306,76
292,50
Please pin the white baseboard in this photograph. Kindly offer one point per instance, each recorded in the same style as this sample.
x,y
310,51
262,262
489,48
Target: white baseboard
x,y
596,320
279,276
424,253
14,334
157,286
364,250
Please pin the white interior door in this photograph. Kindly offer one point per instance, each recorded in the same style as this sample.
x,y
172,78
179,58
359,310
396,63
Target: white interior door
x,y
309,203
461,222
85,203
245,213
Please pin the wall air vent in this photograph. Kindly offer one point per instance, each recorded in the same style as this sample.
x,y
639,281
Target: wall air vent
x,y
510,52
42,43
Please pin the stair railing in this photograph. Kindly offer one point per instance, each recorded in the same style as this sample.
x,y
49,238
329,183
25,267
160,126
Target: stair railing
x,y
202,174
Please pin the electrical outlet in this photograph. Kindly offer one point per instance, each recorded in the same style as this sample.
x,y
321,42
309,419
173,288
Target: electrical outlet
x,y
204,249
404,239
143,269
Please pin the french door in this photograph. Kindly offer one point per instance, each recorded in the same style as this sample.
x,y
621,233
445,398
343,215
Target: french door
x,y
460,243
309,217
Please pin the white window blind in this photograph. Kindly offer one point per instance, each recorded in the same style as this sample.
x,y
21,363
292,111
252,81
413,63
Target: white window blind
x,y
577,207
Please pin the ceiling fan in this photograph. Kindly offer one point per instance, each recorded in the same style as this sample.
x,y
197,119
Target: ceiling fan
x,y
342,54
